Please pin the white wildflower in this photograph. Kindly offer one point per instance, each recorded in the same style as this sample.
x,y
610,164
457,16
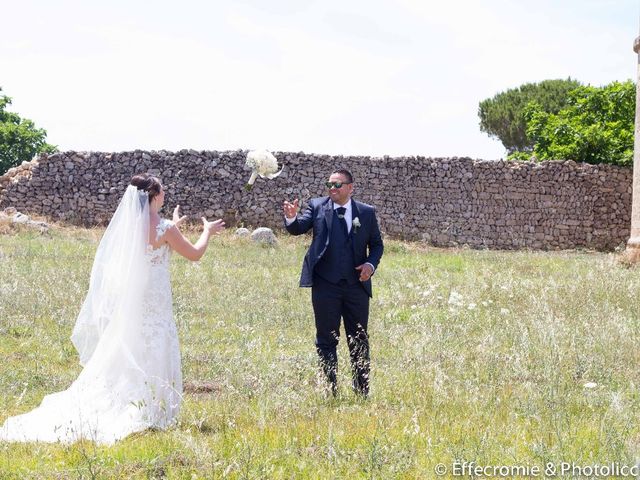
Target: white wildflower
x,y
590,385
617,402
455,299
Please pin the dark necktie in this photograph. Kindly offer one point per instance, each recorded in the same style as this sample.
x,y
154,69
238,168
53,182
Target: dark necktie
x,y
341,211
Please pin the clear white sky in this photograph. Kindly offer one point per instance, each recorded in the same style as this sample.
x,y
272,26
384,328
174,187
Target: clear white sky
x,y
368,77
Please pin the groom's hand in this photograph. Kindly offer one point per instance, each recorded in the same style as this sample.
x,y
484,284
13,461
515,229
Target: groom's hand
x,y
290,209
365,271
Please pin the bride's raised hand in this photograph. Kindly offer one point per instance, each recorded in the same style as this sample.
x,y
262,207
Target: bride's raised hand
x,y
213,227
177,219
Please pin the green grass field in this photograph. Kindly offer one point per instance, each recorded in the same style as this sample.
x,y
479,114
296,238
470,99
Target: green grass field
x,y
476,356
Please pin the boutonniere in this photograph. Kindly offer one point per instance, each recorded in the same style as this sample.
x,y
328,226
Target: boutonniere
x,y
355,224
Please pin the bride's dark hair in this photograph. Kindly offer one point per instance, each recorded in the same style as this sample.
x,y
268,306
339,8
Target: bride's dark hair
x,y
147,183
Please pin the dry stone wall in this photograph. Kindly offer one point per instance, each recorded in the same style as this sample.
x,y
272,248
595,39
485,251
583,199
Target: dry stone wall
x,y
443,201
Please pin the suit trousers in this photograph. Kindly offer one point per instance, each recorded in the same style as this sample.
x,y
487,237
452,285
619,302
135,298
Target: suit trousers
x,y
331,302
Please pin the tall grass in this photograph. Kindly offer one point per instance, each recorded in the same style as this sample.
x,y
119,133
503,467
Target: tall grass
x,y
502,358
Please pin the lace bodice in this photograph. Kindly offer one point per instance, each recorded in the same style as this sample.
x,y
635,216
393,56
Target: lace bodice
x,y
160,255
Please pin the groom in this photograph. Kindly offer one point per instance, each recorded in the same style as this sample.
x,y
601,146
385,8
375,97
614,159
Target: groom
x,y
344,253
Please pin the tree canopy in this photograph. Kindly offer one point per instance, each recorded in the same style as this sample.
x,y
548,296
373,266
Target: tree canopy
x,y
20,140
597,126
503,116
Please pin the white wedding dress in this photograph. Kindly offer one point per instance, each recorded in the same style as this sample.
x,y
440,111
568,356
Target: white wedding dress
x,y
127,340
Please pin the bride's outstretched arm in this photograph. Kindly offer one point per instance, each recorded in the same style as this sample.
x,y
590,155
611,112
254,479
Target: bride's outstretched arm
x,y
193,251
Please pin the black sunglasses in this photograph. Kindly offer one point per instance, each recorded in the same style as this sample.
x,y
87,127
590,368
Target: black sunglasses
x,y
336,184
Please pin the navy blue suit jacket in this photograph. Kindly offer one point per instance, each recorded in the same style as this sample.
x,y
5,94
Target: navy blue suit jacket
x,y
366,239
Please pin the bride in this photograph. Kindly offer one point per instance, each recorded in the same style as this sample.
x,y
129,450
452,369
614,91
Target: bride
x,y
125,333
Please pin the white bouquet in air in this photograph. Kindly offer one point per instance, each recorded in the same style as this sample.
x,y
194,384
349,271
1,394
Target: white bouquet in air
x,y
262,163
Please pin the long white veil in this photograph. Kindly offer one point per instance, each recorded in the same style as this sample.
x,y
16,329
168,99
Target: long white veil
x,y
117,392
118,277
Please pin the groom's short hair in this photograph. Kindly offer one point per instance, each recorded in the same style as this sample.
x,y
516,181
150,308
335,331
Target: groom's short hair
x,y
345,173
